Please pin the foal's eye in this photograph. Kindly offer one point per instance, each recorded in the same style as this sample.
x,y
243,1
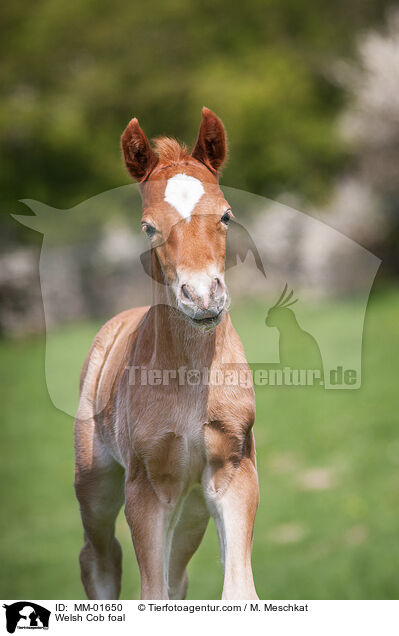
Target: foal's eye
x,y
226,218
149,230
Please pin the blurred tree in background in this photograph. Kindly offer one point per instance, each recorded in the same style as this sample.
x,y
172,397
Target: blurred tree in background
x,y
370,124
74,73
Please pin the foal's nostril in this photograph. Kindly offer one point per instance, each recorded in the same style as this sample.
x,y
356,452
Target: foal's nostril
x,y
185,292
217,286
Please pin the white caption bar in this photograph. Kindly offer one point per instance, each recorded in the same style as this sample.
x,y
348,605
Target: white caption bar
x,y
262,617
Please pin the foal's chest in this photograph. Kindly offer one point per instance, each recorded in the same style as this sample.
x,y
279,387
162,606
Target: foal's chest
x,y
178,435
167,434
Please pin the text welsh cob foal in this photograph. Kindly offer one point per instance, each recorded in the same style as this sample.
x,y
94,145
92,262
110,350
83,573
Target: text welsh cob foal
x,y
175,453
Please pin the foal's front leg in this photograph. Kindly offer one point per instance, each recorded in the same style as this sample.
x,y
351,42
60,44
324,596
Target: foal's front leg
x,y
233,497
148,519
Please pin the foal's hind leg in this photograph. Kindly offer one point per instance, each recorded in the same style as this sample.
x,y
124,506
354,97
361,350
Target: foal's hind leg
x,y
187,537
99,489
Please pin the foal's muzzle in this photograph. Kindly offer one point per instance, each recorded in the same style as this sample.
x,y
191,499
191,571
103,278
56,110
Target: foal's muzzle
x,y
202,298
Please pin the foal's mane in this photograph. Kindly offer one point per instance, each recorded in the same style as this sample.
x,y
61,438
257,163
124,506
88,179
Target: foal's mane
x,y
169,150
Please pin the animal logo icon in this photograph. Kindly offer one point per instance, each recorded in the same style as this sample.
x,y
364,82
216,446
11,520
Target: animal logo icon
x,y
26,615
298,349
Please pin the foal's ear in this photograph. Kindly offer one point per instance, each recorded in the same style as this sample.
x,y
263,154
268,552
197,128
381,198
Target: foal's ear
x,y
211,145
139,157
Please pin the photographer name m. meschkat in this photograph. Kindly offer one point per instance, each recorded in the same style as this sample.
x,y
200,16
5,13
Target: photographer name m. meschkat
x,y
289,607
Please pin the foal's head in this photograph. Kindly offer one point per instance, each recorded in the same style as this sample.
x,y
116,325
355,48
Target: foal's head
x,y
185,215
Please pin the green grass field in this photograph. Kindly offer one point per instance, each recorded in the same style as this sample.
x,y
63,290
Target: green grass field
x,y
328,521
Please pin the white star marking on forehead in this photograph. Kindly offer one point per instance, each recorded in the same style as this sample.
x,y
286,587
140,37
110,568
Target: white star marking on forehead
x,y
183,192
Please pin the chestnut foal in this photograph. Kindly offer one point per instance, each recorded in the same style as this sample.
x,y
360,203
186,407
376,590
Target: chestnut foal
x,y
179,451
